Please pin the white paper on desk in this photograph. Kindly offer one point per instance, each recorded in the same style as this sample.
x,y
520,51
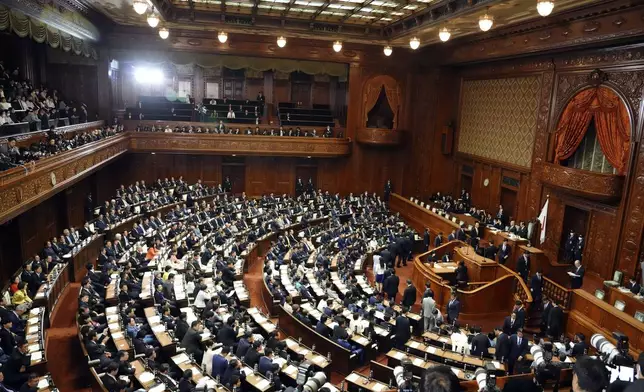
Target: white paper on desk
x,y
496,364
158,328
36,357
43,383
431,350
146,377
181,358
114,327
456,371
34,347
158,388
34,320
261,385
399,355
304,351
32,336
196,372
379,387
414,344
117,335
280,361
290,369
417,361
35,311
112,317
353,377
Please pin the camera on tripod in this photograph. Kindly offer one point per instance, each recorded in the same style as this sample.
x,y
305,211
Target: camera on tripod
x,y
486,378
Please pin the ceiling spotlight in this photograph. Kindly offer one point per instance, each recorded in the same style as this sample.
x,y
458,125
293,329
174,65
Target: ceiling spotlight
x,y
164,33
281,41
486,22
444,34
222,37
140,6
337,46
545,7
414,43
153,19
388,50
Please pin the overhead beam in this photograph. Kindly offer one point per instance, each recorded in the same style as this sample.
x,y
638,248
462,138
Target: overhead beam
x,y
319,10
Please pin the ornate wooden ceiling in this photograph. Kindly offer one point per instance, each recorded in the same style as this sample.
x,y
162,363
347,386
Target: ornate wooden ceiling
x,y
358,21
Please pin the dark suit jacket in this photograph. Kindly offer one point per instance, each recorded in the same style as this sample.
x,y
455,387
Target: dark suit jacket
x,y
181,329
555,320
390,285
576,283
409,296
453,310
509,328
480,345
517,350
192,342
504,254
438,241
578,349
536,285
219,365
402,329
502,347
226,336
635,288
252,357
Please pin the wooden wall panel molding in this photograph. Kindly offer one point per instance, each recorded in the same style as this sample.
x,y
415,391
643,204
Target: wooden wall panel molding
x,y
51,175
238,144
596,186
379,137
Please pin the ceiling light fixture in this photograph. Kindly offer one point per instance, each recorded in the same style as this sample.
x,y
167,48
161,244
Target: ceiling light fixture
x,y
444,34
222,37
545,7
164,33
337,46
388,50
485,22
153,19
281,41
140,6
414,43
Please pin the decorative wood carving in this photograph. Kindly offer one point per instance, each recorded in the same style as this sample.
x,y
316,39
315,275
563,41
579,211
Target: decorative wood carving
x,y
596,186
379,137
131,125
22,189
238,144
29,136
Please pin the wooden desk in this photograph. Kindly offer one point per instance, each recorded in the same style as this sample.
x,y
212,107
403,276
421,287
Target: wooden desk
x,y
513,241
419,365
421,218
118,335
86,254
591,315
49,292
447,355
356,382
479,268
159,330
633,304
35,332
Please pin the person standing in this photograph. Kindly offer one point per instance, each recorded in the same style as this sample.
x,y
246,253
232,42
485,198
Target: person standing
x,y
427,309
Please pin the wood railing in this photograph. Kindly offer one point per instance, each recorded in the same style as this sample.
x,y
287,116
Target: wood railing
x,y
557,293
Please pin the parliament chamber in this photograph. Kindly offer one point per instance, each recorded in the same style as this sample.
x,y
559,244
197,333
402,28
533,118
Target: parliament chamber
x,y
337,195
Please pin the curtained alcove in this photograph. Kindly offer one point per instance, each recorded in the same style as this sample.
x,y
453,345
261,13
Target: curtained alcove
x,y
592,145
381,112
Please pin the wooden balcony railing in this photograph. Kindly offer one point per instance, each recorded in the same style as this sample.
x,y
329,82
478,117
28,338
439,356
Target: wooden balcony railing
x,y
556,292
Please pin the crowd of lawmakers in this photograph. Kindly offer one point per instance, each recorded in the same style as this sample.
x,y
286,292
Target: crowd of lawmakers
x,y
223,129
195,252
23,102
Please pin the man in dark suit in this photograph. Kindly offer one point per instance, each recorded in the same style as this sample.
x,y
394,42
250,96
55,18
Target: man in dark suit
x,y
518,349
426,239
633,286
453,309
555,321
475,235
523,266
111,381
460,234
545,314
402,329
192,341
480,343
520,311
490,251
510,324
504,252
390,286
220,363
438,241
227,334
569,247
15,370
580,347
253,354
409,295
536,285
502,347
577,276
451,236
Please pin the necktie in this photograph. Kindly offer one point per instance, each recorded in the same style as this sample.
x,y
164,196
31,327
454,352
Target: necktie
x,y
519,341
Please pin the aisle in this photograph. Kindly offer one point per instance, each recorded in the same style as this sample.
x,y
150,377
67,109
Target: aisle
x,y
62,338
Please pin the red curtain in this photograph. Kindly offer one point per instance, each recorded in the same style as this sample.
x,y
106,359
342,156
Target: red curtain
x,y
611,121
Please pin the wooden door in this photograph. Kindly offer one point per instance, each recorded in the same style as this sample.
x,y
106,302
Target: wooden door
x,y
466,183
237,175
301,92
509,202
234,88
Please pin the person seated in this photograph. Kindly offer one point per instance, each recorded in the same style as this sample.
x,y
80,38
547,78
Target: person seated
x,y
31,385
21,296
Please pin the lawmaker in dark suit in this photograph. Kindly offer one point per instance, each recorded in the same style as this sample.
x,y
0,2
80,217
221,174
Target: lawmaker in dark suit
x,y
192,341
504,252
409,295
633,286
460,234
577,276
510,325
580,347
502,347
438,241
426,240
555,321
480,344
523,266
402,329
536,285
518,349
453,309
220,363
390,286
